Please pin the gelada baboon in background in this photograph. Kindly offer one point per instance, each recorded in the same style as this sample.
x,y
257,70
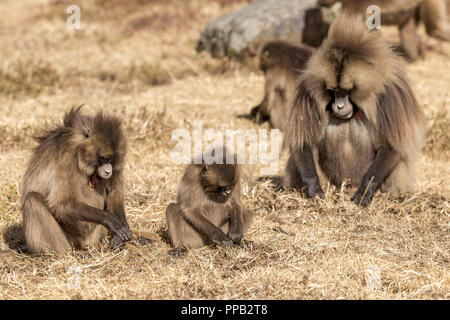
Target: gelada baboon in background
x,y
208,208
402,13
435,15
72,190
355,116
282,64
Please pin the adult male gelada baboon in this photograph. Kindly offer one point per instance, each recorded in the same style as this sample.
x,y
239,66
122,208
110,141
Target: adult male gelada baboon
x,y
355,116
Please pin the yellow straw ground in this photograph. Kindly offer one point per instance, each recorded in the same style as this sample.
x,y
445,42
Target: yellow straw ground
x,y
137,58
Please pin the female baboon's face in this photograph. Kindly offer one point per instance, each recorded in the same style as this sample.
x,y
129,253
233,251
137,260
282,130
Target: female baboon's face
x,y
96,155
100,146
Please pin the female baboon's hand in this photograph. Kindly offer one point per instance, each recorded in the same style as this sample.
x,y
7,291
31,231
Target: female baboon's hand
x,y
117,227
116,243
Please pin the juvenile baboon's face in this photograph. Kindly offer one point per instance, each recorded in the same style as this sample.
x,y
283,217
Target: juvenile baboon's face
x,y
100,145
219,180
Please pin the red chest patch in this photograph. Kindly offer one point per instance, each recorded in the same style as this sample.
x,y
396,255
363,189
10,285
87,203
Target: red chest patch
x,y
357,115
93,180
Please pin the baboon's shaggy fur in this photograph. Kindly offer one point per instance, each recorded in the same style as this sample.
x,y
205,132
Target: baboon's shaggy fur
x,y
208,207
380,143
64,202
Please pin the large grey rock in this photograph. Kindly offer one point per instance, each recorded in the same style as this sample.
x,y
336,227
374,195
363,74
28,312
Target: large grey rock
x,y
244,31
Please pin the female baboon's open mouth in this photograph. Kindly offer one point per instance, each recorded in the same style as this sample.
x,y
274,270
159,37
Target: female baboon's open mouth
x,y
93,180
101,173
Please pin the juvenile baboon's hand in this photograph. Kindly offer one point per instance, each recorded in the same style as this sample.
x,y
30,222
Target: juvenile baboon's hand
x,y
117,227
228,243
223,239
236,232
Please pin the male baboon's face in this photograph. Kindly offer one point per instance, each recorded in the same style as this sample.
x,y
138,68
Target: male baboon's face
x,y
341,106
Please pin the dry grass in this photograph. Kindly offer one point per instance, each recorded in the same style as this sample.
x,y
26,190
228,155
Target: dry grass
x,y
137,58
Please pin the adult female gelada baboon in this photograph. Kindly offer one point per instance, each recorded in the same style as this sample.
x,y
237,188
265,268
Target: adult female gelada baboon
x,y
73,187
355,116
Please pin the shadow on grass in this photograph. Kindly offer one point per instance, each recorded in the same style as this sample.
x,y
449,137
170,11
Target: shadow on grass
x,y
275,181
14,237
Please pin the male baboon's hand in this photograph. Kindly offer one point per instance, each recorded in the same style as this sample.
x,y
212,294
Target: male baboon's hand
x,y
117,227
314,189
363,197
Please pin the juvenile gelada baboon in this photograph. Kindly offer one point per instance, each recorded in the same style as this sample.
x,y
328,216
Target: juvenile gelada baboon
x,y
282,64
208,208
354,117
73,187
